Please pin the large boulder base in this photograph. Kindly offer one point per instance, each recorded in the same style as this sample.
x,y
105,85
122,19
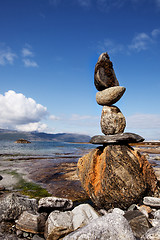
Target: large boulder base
x,y
116,176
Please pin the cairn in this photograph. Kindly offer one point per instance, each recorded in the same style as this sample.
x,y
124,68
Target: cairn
x,y
114,174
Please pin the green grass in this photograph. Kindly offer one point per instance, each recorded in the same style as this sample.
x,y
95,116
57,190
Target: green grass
x,y
30,189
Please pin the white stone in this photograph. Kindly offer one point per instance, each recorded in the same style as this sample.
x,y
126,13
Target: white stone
x,y
82,215
152,234
55,203
58,224
151,201
108,227
156,214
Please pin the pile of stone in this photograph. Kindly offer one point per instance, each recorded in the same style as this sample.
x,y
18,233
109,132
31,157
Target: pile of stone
x,y
54,218
114,174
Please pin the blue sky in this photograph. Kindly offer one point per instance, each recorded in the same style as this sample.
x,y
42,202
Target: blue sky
x,y
48,51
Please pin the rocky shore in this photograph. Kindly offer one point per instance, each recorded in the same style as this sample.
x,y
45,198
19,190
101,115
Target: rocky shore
x,y
65,182
59,218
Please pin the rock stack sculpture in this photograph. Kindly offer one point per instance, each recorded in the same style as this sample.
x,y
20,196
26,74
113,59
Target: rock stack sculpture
x,y
114,174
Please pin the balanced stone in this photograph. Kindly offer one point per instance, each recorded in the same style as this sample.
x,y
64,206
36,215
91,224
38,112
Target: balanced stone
x,y
116,176
104,75
116,138
110,95
112,120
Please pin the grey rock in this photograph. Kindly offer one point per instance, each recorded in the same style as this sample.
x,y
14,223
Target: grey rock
x,y
156,214
138,222
58,224
107,227
36,237
152,234
116,138
118,211
12,206
110,95
112,120
151,201
53,203
19,233
155,222
82,215
42,218
28,222
104,75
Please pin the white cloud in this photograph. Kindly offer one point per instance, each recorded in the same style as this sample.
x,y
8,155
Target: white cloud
x,y
7,56
144,121
110,46
29,63
143,41
147,125
26,52
76,117
53,117
19,112
155,32
37,126
140,42
75,123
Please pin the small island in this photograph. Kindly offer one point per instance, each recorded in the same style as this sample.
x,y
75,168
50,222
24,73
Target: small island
x,y
22,141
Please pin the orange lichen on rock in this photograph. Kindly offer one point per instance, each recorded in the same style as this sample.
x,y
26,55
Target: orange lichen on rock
x,y
148,173
116,176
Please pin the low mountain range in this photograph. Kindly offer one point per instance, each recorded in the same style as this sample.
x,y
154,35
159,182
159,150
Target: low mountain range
x,y
14,135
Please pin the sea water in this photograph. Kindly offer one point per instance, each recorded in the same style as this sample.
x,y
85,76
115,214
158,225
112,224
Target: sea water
x,y
43,149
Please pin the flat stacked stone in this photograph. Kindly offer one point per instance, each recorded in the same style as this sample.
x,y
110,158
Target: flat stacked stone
x,y
121,138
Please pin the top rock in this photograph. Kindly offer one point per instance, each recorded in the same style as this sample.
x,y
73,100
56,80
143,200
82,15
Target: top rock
x,y
104,75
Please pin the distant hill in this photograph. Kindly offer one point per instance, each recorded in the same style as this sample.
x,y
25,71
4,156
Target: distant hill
x,y
13,135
